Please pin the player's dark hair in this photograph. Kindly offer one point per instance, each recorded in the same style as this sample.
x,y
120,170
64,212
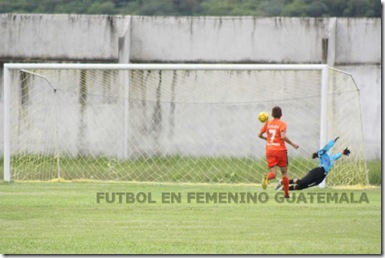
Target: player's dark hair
x,y
276,112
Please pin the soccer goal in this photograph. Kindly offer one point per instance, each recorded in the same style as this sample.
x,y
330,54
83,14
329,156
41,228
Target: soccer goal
x,y
174,122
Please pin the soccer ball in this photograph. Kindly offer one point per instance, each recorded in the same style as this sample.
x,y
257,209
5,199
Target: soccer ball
x,y
263,117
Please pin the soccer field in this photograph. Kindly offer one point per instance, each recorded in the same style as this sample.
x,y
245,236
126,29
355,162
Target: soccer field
x,y
83,218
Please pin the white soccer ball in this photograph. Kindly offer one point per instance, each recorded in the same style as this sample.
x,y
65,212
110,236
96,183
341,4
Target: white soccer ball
x,y
263,116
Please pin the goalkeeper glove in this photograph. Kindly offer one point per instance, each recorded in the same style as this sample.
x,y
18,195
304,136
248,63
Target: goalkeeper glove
x,y
346,152
315,155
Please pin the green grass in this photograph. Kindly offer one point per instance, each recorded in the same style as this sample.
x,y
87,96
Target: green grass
x,y
375,175
146,169
179,169
64,218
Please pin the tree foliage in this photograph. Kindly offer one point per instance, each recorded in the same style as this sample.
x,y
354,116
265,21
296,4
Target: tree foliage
x,y
259,8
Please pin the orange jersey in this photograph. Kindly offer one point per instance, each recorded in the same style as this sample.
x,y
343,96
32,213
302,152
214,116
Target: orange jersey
x,y
273,129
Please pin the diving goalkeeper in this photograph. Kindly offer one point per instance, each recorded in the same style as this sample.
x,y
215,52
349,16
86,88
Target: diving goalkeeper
x,y
316,175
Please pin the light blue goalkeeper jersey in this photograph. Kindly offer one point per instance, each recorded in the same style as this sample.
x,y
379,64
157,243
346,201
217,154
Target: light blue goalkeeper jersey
x,y
326,160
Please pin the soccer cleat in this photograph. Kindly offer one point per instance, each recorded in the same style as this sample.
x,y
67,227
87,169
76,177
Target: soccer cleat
x,y
278,186
265,182
287,196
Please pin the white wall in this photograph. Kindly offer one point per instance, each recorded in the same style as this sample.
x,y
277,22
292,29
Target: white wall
x,y
227,39
358,41
60,37
187,39
95,38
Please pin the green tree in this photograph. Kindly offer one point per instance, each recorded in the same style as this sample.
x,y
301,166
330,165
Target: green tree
x,y
21,6
271,7
187,7
295,8
103,7
335,7
217,7
258,8
317,9
359,8
78,7
156,7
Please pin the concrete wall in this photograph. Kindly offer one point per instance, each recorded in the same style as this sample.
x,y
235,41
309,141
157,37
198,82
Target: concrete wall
x,y
227,39
188,39
60,37
350,44
358,41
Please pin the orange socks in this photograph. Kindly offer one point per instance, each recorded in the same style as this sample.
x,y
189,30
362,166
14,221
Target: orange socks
x,y
270,175
285,183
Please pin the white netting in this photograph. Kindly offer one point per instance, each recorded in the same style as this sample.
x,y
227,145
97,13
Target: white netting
x,y
175,125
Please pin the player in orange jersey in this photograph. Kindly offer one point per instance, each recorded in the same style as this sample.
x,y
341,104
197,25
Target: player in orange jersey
x,y
276,151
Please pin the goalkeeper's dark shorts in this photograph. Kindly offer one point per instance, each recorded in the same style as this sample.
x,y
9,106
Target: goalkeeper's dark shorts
x,y
313,177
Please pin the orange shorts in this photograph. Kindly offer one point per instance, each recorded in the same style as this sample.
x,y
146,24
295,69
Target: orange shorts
x,y
276,158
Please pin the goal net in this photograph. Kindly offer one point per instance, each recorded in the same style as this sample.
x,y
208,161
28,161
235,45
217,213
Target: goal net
x,y
174,123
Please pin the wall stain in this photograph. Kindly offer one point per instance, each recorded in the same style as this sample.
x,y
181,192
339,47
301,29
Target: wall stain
x,y
157,115
171,118
83,106
24,89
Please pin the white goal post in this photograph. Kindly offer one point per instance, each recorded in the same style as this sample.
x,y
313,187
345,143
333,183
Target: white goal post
x,y
174,122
